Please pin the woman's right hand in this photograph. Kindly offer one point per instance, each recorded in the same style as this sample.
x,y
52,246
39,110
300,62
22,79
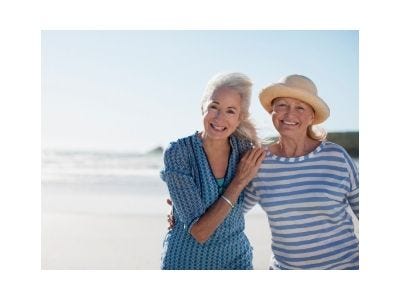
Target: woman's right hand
x,y
248,166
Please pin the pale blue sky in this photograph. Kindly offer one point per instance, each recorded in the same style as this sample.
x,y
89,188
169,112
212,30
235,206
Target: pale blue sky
x,y
134,90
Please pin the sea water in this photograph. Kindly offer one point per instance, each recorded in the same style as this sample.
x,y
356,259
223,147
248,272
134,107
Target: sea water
x,y
103,182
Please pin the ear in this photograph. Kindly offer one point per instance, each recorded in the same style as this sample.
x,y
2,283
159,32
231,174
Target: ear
x,y
312,118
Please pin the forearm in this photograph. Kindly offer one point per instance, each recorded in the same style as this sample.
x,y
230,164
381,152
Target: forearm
x,y
216,213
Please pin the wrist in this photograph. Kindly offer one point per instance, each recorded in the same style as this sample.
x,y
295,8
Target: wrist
x,y
239,184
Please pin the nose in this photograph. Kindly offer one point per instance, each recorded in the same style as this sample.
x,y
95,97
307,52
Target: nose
x,y
290,110
218,114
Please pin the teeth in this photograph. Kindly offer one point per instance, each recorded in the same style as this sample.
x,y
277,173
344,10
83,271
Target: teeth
x,y
220,128
289,123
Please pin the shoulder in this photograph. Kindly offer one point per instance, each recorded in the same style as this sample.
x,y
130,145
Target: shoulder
x,y
333,149
271,148
329,146
178,151
242,145
339,151
177,147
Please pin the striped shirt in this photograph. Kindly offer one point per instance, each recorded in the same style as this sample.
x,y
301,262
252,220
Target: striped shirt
x,y
307,200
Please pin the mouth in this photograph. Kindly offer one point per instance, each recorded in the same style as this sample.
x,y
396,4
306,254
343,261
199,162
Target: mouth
x,y
218,128
290,123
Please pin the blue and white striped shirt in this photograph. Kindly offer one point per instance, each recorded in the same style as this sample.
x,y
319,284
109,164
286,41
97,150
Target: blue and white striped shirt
x,y
307,201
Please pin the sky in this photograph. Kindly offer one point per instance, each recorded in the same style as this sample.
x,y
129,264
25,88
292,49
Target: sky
x,y
135,90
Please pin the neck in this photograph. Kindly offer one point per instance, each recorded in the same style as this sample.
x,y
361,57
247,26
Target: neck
x,y
217,152
291,147
213,144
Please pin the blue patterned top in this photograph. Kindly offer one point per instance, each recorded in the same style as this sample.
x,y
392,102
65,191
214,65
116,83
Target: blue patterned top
x,y
308,201
193,188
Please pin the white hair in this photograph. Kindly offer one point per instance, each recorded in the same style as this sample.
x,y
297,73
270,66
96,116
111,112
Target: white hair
x,y
316,133
241,84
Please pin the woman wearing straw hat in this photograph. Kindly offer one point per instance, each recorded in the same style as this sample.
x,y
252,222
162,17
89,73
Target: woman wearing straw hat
x,y
305,184
205,180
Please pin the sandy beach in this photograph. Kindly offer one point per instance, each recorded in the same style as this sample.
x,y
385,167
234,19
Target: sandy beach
x,y
133,242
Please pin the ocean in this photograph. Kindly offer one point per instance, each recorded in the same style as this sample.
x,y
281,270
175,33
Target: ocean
x,y
102,182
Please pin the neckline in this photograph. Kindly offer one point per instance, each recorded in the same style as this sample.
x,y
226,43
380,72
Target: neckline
x,y
220,181
296,158
199,140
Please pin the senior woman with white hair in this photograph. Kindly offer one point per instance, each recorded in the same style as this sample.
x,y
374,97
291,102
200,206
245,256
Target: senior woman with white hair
x,y
205,180
305,184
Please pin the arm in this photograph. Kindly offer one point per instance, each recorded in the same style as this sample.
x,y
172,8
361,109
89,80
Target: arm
x,y
352,195
250,197
177,174
216,213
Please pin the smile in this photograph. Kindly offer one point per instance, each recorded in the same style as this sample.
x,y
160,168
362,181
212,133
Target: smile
x,y
289,123
217,128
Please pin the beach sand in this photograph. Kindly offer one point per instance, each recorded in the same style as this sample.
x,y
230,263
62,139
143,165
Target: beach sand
x,y
131,241
103,227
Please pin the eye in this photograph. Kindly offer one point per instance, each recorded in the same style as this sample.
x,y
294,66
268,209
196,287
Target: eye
x,y
213,106
280,106
300,108
231,111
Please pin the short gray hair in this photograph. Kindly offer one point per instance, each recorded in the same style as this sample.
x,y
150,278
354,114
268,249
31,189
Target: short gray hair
x,y
242,84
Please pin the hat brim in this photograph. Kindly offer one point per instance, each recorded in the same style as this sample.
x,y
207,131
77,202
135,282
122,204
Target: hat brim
x,y
277,90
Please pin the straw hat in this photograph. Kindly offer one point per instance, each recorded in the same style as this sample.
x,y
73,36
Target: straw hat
x,y
298,87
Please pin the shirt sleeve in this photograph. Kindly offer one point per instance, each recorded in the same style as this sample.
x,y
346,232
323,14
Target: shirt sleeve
x,y
185,194
250,197
352,194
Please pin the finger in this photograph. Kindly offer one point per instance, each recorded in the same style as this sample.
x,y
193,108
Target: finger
x,y
255,153
171,217
171,223
246,155
251,154
261,153
257,159
260,158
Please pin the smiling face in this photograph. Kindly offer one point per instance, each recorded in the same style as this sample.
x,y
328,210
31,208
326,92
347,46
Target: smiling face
x,y
291,117
222,114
